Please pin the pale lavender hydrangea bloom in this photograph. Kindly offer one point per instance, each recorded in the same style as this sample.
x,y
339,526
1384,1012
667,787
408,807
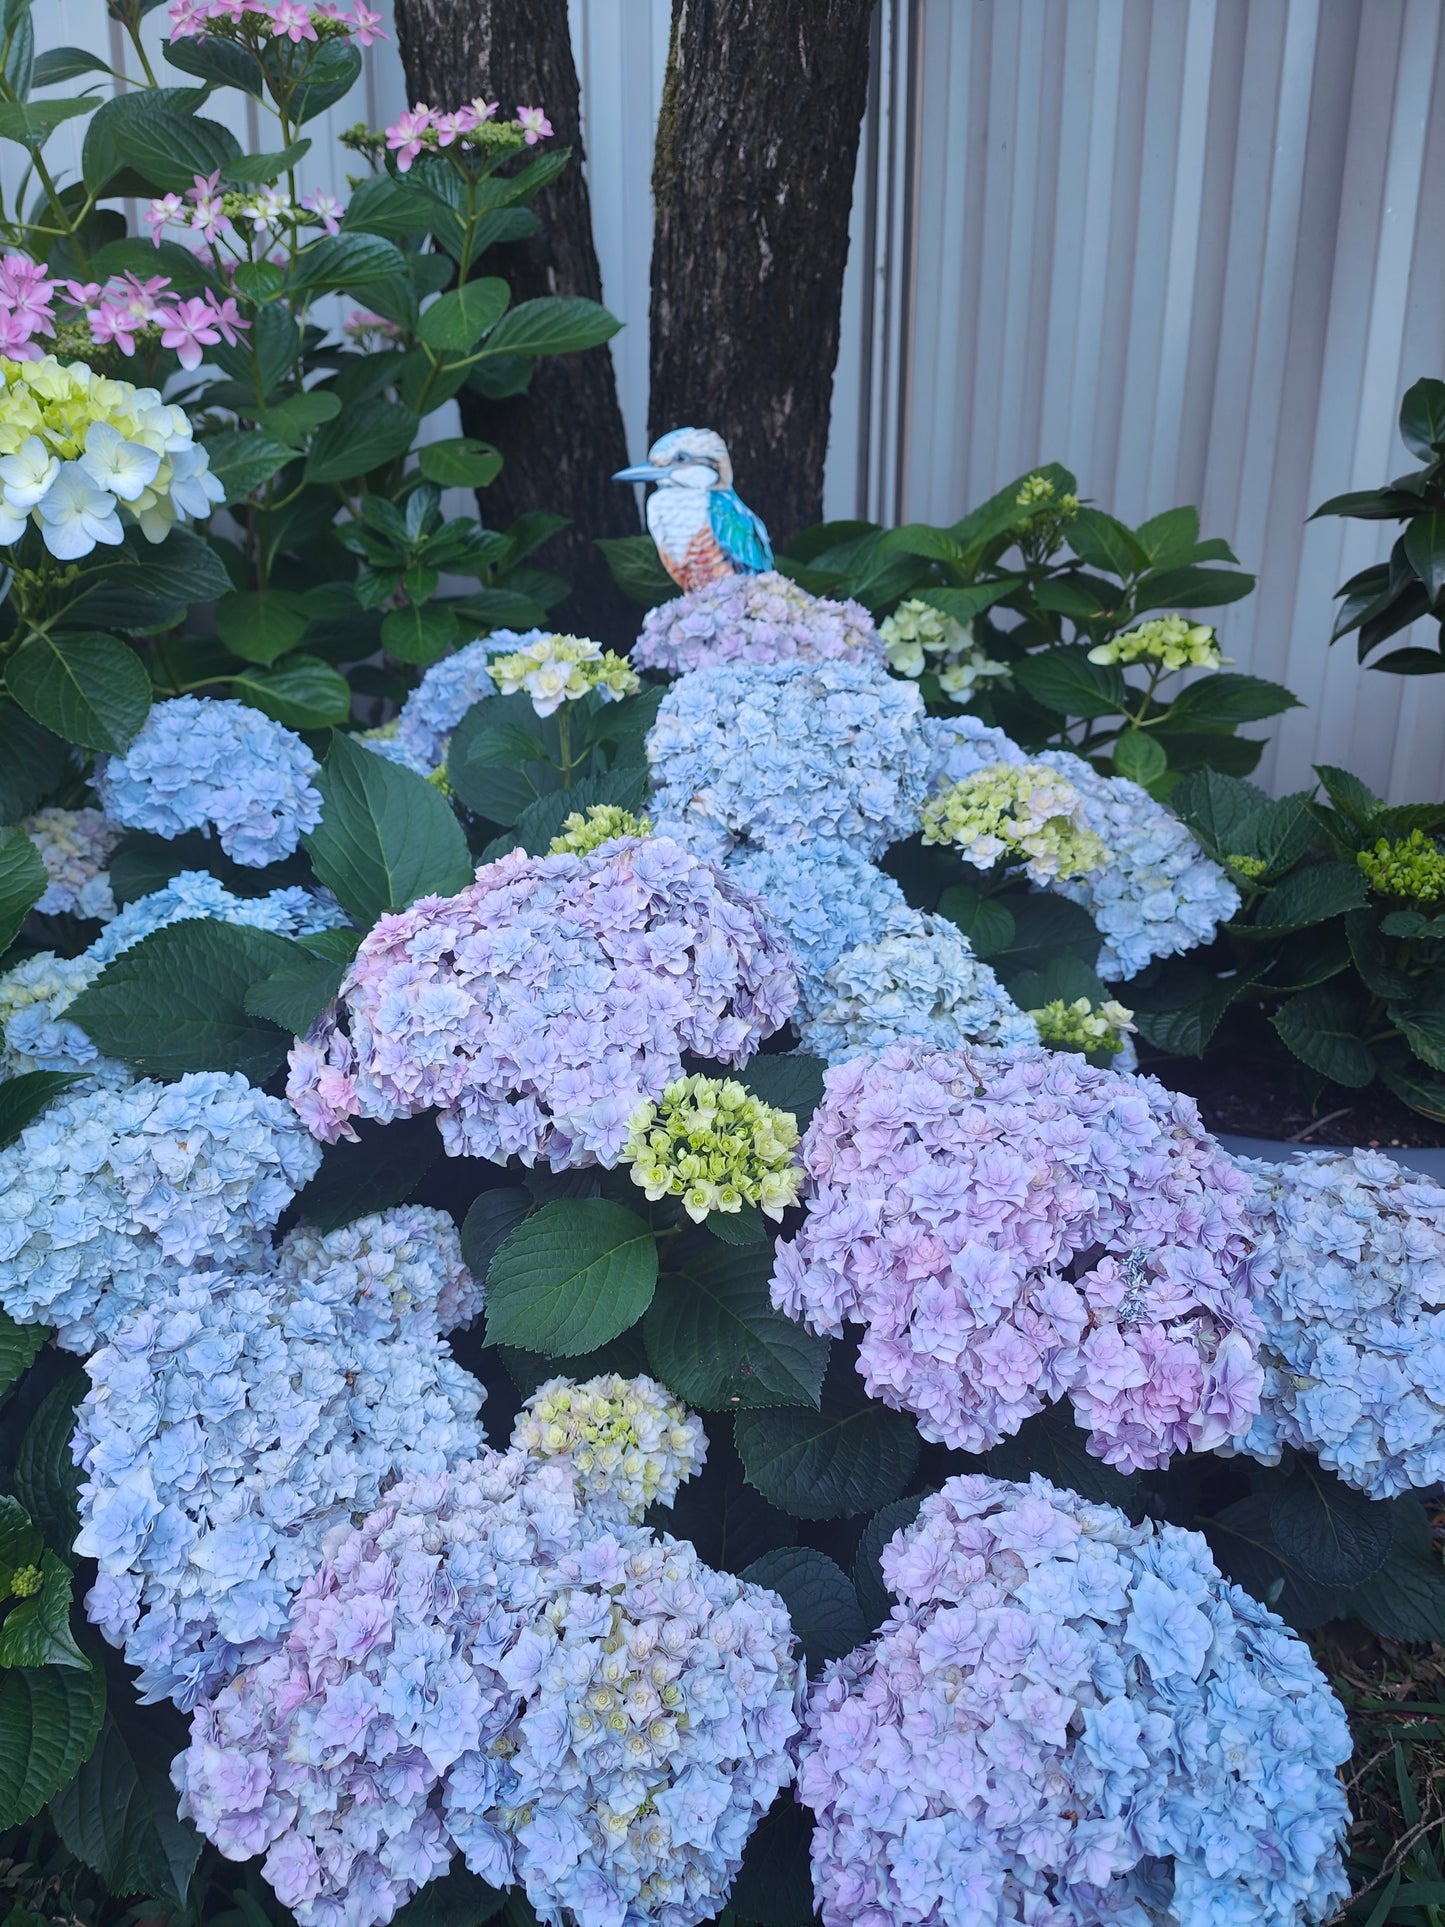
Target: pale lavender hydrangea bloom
x,y
1071,1721
916,981
444,695
1014,1228
76,847
754,618
34,996
447,1681
393,1270
232,1425
831,754
202,764
109,1194
539,1008
1354,1318
1158,896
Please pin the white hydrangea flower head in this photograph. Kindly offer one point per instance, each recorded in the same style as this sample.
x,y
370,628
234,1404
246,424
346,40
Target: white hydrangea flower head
x,y
393,1270
76,847
83,456
627,1440
200,764
917,981
1074,1720
562,669
110,1193
919,637
232,1426
1017,813
1352,1252
828,754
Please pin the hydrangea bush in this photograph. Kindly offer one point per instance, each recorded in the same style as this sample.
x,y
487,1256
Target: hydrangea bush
x,y
410,1021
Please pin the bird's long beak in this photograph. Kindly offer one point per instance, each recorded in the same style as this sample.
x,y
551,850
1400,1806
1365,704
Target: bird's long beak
x,y
641,472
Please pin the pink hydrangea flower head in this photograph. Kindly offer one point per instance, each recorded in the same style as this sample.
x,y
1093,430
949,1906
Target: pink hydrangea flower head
x,y
539,1008
292,20
404,136
1015,1228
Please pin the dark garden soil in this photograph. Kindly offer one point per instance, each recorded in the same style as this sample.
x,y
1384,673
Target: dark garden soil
x,y
1241,1092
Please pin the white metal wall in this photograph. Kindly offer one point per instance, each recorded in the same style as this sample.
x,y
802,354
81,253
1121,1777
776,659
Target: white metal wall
x,y
1195,249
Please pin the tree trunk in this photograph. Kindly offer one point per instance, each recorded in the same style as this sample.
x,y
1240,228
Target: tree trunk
x,y
752,182
562,440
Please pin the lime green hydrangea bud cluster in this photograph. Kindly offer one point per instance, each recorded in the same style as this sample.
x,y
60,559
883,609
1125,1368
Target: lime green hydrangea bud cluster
x,y
1039,497
715,1146
587,830
1411,868
1251,868
1171,641
626,1439
1017,812
1080,1026
561,669
25,1583
919,637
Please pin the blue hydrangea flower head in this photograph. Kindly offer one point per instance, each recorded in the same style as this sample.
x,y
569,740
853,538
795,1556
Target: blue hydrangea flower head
x,y
916,981
1069,1718
198,764
1352,1295
110,1193
232,1424
831,754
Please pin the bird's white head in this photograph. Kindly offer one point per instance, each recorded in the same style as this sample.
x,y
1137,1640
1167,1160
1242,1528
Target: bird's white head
x,y
684,458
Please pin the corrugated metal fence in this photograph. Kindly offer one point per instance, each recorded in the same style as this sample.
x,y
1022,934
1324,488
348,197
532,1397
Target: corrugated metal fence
x,y
1192,248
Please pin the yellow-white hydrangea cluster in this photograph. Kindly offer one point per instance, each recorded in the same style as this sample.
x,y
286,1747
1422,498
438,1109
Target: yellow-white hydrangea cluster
x,y
1171,641
713,1144
626,1439
587,830
1017,812
1079,1026
559,669
81,455
918,637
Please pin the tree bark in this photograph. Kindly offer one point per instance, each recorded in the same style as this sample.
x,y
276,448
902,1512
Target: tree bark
x,y
752,183
563,439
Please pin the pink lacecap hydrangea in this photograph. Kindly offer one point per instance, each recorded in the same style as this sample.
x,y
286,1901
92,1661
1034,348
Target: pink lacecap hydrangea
x,y
115,311
294,20
755,618
1011,1229
408,133
536,1010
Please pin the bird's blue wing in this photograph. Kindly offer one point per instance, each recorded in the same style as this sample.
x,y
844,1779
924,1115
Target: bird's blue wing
x,y
740,534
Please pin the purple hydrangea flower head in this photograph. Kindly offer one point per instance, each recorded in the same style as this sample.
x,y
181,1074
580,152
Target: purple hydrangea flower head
x,y
1012,1228
200,764
829,754
76,847
1354,1318
495,1661
756,619
1071,1720
231,1426
538,1009
393,1271
917,980
110,1193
